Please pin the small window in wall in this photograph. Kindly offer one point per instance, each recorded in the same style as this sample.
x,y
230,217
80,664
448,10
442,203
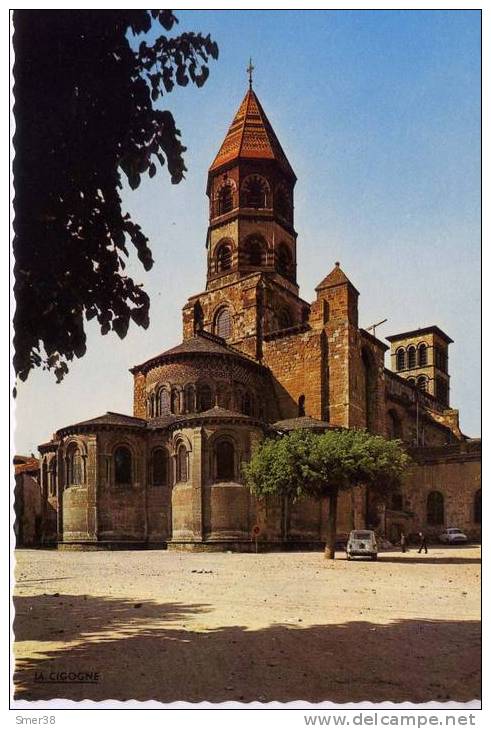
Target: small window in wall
x,y
435,508
411,381
422,383
225,199
411,357
164,402
442,390
284,318
205,398
159,467
400,359
122,465
477,507
190,399
174,402
74,468
225,460
301,406
182,464
223,323
422,355
198,317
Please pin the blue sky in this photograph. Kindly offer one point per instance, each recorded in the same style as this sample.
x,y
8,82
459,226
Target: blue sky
x,y
379,114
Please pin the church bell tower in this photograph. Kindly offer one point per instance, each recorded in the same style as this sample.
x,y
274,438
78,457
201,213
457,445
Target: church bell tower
x,y
251,283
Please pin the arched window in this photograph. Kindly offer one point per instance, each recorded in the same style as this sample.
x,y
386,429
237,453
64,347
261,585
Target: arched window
x,y
411,357
122,465
284,260
181,464
301,406
422,355
284,318
190,399
442,390
164,402
74,469
477,507
225,460
411,381
205,398
223,323
422,383
224,257
174,402
159,467
400,359
225,199
255,250
198,317
282,203
434,508
255,192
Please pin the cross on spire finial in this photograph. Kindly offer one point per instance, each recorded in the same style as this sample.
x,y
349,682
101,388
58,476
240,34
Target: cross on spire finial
x,y
250,69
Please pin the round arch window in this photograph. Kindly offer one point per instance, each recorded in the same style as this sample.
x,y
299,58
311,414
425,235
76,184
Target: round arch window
x,y
122,465
225,460
223,323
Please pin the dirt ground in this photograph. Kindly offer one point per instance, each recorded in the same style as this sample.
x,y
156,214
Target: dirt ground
x,y
245,627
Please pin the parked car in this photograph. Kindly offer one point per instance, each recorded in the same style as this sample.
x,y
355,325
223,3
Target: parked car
x,y
452,535
361,543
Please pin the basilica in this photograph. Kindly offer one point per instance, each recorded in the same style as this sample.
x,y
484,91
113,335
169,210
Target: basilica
x,y
257,360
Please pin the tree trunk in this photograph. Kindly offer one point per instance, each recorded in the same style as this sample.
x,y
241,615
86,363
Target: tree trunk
x,y
331,524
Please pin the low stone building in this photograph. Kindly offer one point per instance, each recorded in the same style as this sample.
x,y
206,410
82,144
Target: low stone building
x,y
257,359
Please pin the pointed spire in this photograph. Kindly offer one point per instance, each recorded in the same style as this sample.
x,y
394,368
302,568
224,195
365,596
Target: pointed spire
x,y
251,136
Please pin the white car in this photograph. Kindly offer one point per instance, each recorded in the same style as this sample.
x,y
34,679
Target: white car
x,y
453,536
361,543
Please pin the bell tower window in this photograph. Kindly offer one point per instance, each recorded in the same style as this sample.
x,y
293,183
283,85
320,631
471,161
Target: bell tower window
x,y
255,251
224,257
225,199
255,192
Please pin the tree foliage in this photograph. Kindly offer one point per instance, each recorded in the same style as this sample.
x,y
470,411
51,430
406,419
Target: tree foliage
x,y
85,115
305,464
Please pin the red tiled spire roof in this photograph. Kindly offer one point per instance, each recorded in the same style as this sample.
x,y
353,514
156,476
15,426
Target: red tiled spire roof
x,y
251,136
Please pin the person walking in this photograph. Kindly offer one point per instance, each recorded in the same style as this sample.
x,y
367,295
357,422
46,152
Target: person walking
x,y
422,543
403,542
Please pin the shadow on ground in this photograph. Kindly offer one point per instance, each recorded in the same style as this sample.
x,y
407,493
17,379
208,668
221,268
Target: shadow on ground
x,y
143,651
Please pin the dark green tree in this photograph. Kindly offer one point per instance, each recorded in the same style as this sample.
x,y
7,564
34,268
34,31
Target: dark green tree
x,y
85,116
305,464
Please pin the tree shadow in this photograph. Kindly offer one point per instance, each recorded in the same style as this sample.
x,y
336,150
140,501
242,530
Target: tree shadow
x,y
416,558
148,653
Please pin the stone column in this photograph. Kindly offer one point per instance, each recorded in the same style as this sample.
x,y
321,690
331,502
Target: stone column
x,y
197,477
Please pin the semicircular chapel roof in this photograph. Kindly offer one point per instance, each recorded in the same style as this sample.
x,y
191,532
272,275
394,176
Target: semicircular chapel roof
x,y
202,343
